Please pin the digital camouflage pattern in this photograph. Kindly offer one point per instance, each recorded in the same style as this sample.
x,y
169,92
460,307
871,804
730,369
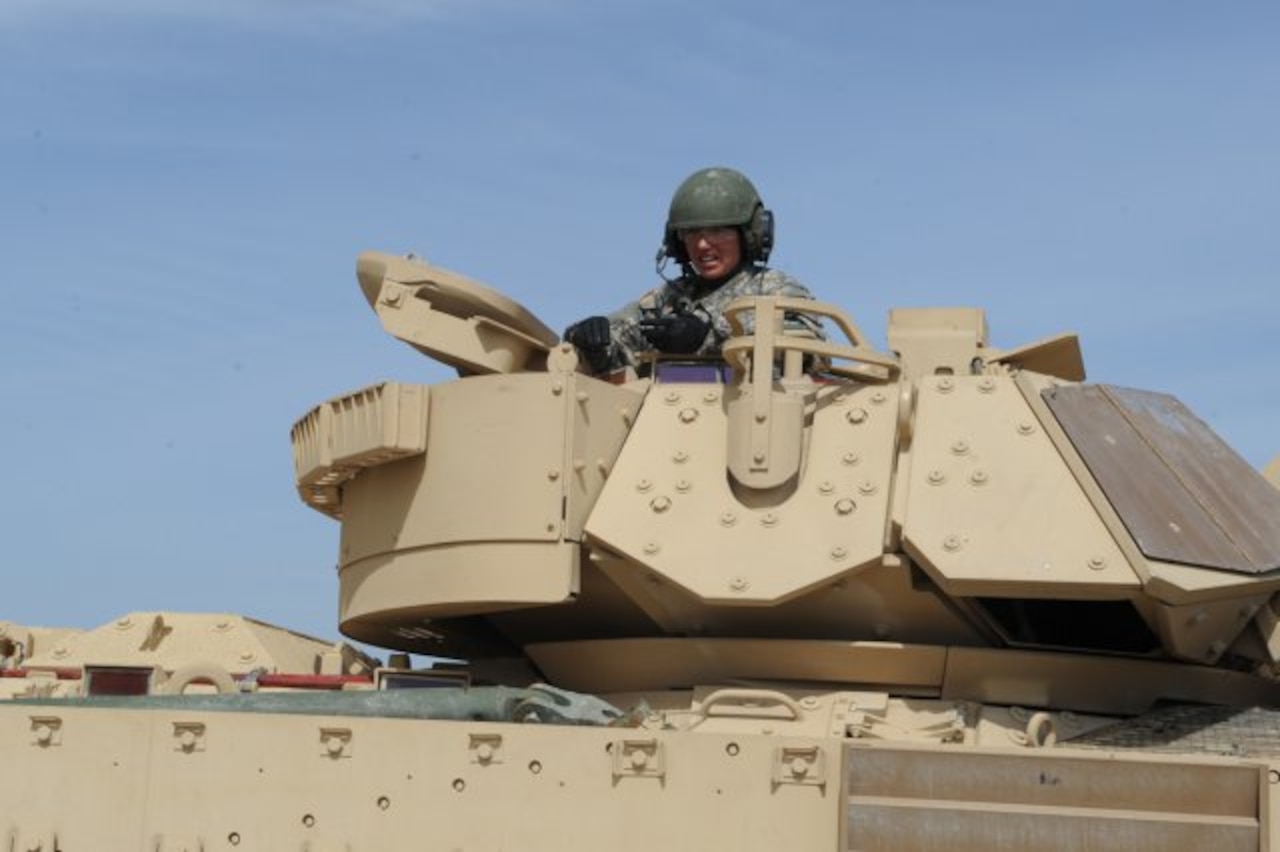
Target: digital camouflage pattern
x,y
691,294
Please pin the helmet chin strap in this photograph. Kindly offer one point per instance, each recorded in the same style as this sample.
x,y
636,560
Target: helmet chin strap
x,y
707,285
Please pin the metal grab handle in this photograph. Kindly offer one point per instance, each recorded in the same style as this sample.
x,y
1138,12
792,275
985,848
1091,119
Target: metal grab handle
x,y
735,349
743,699
203,672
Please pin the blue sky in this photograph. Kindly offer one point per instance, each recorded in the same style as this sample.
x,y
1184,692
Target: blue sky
x,y
185,185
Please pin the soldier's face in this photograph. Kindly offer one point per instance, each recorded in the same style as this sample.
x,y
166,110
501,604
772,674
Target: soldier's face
x,y
714,252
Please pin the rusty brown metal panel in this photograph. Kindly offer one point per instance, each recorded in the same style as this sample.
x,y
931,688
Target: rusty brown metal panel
x,y
1149,492
1241,502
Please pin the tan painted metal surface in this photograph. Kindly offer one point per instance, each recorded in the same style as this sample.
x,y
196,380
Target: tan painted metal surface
x,y
936,598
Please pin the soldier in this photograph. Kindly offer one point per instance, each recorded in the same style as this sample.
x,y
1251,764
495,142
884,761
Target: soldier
x,y
720,233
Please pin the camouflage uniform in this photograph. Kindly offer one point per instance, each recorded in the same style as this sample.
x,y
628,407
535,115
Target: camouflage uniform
x,y
691,294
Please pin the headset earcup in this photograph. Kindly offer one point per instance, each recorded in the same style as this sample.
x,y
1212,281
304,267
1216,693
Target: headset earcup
x,y
759,235
674,246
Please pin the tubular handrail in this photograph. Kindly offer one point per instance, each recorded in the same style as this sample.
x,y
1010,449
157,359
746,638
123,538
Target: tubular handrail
x,y
883,367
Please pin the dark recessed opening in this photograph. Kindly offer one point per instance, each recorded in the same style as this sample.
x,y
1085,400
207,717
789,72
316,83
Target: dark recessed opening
x,y
118,680
1087,625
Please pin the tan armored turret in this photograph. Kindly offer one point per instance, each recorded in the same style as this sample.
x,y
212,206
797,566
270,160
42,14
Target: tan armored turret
x,y
950,517
813,597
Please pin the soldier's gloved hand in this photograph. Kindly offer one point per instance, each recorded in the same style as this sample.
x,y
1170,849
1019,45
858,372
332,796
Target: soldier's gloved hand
x,y
675,334
591,336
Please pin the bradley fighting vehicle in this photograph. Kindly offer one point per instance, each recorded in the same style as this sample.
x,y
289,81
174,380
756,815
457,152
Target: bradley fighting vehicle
x,y
945,598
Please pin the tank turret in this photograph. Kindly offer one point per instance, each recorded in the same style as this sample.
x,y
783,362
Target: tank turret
x,y
811,596
949,517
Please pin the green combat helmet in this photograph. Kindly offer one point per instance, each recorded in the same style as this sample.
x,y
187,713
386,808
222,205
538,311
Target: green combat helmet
x,y
719,197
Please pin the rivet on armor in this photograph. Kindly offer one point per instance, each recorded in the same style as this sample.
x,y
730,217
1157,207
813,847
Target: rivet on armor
x,y
879,397
761,417
1026,427
246,656
334,745
731,749
459,785
850,459
639,760
799,767
553,475
308,820
769,519
579,465
60,651
710,396
758,457
952,543
739,584
839,552
671,397
1097,563
187,740
383,803
987,384
845,506
825,487
234,837
484,752
688,415
946,385
728,519
651,548
866,487
660,504
124,623
535,766
809,702
960,447
1200,616
643,485
44,734
581,396
683,486
856,415
680,457
602,466
557,388
936,477
625,414
978,477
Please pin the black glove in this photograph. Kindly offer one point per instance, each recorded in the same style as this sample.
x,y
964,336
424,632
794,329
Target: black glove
x,y
591,336
675,334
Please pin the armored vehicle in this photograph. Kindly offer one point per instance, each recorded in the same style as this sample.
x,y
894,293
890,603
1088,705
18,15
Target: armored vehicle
x,y
813,596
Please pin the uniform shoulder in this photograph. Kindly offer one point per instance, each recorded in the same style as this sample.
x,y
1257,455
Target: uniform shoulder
x,y
771,280
650,300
